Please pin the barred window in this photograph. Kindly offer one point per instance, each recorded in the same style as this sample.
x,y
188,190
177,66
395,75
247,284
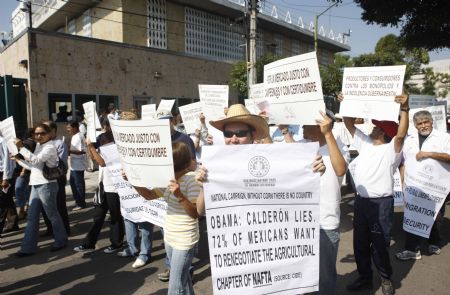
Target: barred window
x,y
157,29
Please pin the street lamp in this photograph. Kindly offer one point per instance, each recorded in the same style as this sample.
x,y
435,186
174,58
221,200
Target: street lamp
x,y
316,24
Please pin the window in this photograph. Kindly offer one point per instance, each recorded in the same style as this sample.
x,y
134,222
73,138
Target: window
x,y
60,106
295,47
212,36
157,30
87,24
139,101
278,44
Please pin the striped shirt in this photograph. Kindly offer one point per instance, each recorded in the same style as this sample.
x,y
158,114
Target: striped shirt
x,y
181,230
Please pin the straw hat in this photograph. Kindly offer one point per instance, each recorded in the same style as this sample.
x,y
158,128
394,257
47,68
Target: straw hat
x,y
237,113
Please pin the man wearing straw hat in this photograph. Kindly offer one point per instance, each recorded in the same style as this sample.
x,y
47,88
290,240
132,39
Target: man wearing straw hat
x,y
242,127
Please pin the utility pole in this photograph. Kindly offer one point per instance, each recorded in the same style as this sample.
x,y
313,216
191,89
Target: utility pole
x,y
26,7
316,24
252,45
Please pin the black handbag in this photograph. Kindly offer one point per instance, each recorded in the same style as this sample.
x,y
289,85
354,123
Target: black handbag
x,y
54,172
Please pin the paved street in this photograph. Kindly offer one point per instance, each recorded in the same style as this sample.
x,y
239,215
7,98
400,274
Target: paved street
x,y
68,272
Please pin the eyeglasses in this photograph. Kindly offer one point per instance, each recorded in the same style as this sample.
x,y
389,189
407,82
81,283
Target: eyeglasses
x,y
40,133
238,133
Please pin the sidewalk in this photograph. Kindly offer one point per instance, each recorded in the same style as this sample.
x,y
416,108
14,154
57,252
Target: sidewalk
x,y
69,272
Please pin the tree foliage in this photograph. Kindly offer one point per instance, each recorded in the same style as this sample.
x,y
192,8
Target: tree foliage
x,y
423,23
331,75
238,74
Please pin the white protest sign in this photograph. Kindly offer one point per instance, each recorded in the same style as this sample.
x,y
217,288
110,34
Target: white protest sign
x,y
294,90
191,116
145,149
132,205
398,190
165,106
369,92
214,99
256,91
262,212
8,132
439,118
148,111
426,187
251,106
90,115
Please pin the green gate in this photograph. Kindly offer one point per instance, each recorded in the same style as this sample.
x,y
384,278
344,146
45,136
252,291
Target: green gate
x,y
13,102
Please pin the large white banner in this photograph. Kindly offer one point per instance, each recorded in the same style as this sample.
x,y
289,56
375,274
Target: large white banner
x,y
191,116
262,212
148,111
8,133
369,92
145,149
214,99
294,90
89,115
426,187
439,118
132,205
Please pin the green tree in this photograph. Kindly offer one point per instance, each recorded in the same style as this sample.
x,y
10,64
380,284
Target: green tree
x,y
390,50
238,73
331,75
424,24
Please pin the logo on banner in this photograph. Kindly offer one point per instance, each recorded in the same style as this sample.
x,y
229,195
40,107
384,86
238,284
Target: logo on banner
x,y
258,166
428,169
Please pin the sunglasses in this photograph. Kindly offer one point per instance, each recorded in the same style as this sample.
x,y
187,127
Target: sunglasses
x,y
40,133
239,133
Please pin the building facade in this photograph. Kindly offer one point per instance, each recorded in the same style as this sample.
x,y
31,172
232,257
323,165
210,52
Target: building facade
x,y
134,52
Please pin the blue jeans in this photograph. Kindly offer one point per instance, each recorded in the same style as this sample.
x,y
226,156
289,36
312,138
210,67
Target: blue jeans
x,y
180,281
145,249
329,243
43,195
78,187
22,190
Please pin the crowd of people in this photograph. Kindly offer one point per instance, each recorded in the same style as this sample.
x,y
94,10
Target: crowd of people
x,y
381,148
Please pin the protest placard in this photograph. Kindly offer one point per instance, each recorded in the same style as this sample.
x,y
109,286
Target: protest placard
x,y
421,101
256,91
165,106
439,118
132,205
214,99
89,115
426,187
369,92
148,112
191,116
262,212
145,149
8,133
398,189
294,90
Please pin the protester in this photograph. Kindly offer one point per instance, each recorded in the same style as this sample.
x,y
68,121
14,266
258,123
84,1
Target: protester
x,y
22,187
63,155
77,153
427,143
372,171
109,201
181,232
200,138
7,206
335,155
43,192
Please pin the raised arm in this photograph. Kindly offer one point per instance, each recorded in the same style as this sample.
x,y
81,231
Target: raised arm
x,y
92,151
404,122
337,160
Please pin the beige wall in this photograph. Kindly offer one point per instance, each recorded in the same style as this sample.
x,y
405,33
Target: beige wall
x,y
69,64
9,59
109,26
135,26
175,29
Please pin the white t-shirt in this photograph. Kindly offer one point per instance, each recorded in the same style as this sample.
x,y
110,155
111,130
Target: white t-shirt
x,y
341,133
373,170
77,162
330,190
